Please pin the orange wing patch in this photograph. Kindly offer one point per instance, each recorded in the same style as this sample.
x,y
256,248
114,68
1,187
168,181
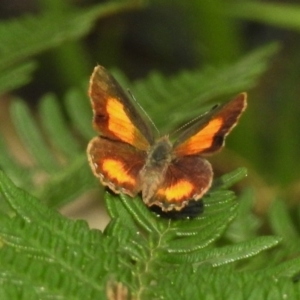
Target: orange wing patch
x,y
116,169
176,192
120,124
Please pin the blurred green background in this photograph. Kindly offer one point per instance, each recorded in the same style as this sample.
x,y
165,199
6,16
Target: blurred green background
x,y
138,37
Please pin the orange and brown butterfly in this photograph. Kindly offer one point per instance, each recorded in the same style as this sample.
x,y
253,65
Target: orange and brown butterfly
x,y
129,159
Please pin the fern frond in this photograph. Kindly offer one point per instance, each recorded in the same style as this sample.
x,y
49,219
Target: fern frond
x,y
246,225
68,184
38,33
24,37
79,110
220,283
22,175
283,15
183,241
15,77
282,224
56,127
63,165
32,138
40,249
289,269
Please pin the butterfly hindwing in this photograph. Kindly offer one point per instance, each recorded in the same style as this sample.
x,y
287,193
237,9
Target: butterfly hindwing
x,y
186,178
115,117
117,164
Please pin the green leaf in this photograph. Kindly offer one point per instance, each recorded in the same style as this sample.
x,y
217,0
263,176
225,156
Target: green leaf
x,y
66,164
281,221
202,238
287,269
116,209
26,36
227,254
24,205
40,249
230,179
220,283
80,112
20,174
246,223
57,129
68,184
282,225
32,137
38,33
16,77
277,14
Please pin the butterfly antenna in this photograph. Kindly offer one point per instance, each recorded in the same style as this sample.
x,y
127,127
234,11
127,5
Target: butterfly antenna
x,y
192,121
186,124
141,107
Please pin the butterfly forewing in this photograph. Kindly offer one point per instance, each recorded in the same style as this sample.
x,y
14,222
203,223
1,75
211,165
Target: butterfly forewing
x,y
115,117
208,134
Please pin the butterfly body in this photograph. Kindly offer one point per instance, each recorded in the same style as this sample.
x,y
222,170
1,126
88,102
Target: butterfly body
x,y
127,158
153,172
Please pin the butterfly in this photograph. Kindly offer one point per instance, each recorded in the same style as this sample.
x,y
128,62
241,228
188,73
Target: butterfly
x,y
128,158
